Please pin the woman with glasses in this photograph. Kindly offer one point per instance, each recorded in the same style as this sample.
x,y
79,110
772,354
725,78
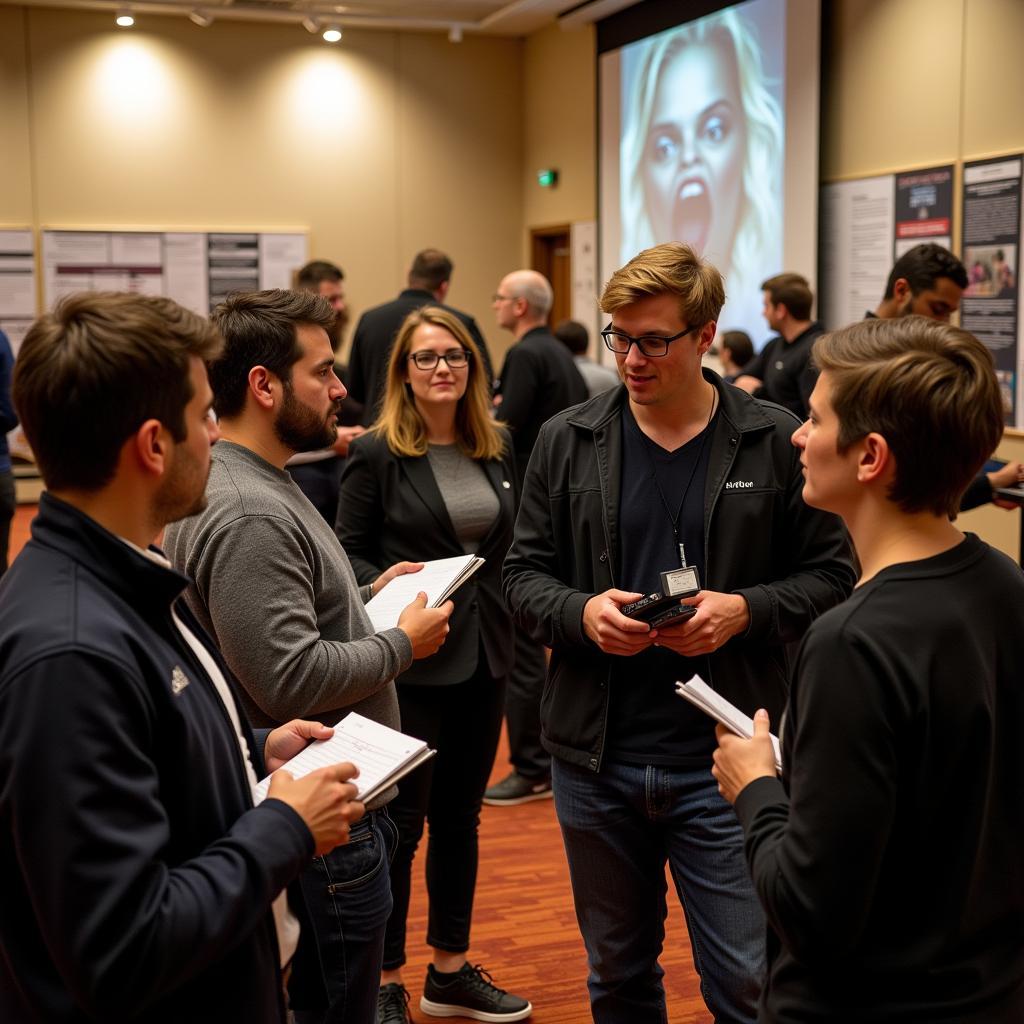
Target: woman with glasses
x,y
435,478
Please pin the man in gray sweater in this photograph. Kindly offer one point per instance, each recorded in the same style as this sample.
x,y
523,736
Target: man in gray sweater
x,y
275,588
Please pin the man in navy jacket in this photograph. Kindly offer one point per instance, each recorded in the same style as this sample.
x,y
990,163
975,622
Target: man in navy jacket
x,y
140,882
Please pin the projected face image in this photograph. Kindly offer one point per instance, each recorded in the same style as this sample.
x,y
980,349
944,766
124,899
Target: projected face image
x,y
700,148
692,167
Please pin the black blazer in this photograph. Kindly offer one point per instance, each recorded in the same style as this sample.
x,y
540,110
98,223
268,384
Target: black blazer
x,y
371,346
390,509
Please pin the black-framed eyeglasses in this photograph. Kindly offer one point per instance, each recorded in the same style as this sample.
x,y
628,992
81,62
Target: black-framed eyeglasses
x,y
651,345
456,358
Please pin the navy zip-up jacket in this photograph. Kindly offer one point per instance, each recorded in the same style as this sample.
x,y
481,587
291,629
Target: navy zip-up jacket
x,y
137,876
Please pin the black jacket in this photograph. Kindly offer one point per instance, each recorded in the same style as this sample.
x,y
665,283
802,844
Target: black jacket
x,y
390,510
785,370
789,561
539,379
371,346
137,877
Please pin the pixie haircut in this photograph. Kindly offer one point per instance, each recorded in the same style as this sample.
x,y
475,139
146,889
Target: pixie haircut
x,y
921,266
90,373
400,424
671,268
793,291
259,330
930,390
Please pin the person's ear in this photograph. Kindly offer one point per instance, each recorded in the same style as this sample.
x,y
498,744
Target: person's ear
x,y
264,387
706,336
901,290
876,460
150,445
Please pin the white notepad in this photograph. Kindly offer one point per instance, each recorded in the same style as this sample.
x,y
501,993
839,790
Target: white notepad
x,y
438,579
698,693
382,755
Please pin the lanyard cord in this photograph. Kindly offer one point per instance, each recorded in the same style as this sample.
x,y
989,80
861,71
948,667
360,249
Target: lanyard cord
x,y
674,519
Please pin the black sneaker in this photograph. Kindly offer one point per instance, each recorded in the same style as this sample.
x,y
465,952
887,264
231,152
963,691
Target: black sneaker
x,y
516,789
469,993
392,1004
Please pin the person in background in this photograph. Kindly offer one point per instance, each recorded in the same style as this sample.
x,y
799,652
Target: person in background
x,y
598,378
538,379
889,857
319,473
735,350
781,372
435,478
8,421
929,281
427,283
140,881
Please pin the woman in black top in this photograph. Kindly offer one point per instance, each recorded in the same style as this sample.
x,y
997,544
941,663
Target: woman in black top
x,y
435,478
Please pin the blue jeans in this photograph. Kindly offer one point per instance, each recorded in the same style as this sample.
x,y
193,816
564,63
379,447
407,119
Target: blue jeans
x,y
619,826
348,893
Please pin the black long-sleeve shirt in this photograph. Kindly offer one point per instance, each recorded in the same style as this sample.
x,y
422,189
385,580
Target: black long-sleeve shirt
x,y
890,857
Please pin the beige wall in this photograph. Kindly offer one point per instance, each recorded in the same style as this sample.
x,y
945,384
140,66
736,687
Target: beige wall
x,y
380,146
559,113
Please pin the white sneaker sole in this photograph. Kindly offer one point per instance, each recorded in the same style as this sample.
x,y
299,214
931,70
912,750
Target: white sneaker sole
x,y
450,1010
546,794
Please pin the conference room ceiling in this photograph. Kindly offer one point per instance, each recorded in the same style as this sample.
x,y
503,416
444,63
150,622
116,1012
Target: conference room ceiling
x,y
456,17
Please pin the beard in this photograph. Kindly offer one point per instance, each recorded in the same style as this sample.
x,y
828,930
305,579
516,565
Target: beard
x,y
302,429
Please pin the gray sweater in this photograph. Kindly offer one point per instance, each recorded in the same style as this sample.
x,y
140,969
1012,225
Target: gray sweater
x,y
275,589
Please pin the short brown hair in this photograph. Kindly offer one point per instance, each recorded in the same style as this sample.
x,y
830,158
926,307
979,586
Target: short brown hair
x,y
793,291
400,423
671,268
430,269
930,390
90,373
259,330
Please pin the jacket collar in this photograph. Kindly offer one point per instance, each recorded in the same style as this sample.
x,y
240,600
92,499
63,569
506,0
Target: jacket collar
x,y
741,410
419,294
122,568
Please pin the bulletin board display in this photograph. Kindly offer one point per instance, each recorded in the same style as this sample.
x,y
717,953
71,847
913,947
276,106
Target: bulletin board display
x,y
198,269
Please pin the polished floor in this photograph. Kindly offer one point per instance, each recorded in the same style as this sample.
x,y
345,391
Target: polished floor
x,y
524,929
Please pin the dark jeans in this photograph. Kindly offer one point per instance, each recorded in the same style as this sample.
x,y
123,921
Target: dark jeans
x,y
462,723
349,898
7,508
522,709
620,826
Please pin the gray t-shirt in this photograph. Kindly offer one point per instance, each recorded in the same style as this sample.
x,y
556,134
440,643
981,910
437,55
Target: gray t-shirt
x,y
470,500
275,589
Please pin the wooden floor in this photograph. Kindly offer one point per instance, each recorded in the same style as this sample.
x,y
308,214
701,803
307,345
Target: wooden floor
x,y
524,927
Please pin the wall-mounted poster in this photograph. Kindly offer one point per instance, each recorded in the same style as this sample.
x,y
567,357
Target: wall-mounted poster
x,y
991,254
924,209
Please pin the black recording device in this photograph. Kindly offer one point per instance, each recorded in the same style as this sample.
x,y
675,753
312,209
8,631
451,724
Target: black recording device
x,y
662,608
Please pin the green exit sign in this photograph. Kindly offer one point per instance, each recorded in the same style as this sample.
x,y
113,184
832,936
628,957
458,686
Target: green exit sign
x,y
547,178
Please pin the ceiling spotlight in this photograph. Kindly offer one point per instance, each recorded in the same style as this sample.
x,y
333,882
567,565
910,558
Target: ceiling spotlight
x,y
124,18
311,24
455,34
332,34
199,17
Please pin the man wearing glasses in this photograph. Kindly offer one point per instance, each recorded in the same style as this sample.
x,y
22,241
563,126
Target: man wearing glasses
x,y
539,379
675,471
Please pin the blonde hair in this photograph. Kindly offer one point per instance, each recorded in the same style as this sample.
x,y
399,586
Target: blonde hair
x,y
671,268
400,424
930,390
758,222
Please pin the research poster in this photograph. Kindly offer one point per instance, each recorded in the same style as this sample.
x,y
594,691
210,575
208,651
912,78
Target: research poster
x,y
991,254
923,209
197,269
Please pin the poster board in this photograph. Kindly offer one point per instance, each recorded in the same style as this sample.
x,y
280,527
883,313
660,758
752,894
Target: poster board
x,y
195,268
